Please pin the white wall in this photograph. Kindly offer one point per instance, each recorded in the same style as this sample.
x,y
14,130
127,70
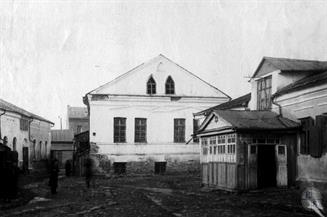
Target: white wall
x,y
10,127
307,103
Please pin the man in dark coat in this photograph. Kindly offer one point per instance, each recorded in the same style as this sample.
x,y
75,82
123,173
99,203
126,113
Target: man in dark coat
x,y
54,170
88,171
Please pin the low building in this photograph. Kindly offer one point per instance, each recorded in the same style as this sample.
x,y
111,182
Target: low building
x,y
242,150
26,133
78,119
62,146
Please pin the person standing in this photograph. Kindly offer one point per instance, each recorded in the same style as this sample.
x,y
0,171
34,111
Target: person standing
x,y
54,171
88,171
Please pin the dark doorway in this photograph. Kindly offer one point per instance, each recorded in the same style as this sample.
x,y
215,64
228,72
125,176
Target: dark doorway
x,y
266,166
25,159
160,167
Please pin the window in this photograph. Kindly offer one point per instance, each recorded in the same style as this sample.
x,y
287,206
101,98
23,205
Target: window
x,y
34,151
79,129
151,86
24,124
140,130
264,93
281,150
14,144
170,86
195,129
119,130
179,130
40,150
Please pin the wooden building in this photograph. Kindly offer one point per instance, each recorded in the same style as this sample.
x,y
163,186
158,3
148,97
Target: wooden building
x,y
62,145
242,150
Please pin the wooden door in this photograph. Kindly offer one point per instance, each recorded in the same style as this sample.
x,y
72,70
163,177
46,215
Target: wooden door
x,y
252,166
281,165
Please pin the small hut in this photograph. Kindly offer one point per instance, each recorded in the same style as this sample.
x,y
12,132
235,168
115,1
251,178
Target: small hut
x,y
242,150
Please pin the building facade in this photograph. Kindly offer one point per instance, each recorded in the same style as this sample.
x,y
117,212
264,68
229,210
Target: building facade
x,y
144,117
78,119
26,133
243,150
297,89
62,146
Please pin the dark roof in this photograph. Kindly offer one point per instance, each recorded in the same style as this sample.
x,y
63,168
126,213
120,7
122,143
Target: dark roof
x,y
77,112
309,81
241,101
285,64
62,135
255,120
4,105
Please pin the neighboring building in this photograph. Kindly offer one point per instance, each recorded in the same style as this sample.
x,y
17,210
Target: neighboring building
x,y
78,119
27,133
242,150
62,146
82,151
143,119
299,88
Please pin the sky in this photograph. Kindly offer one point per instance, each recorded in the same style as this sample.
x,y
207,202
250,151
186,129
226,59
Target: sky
x,y
53,52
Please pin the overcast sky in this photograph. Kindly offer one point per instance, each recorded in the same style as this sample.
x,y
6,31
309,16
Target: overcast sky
x,y
53,52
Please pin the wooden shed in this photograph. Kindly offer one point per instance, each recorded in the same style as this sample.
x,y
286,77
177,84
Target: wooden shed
x,y
242,150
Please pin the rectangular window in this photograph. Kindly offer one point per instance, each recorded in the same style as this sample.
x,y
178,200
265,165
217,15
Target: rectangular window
x,y
24,124
140,129
119,130
264,93
179,130
195,129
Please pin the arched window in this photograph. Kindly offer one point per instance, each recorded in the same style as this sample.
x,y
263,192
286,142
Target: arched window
x,y
151,86
170,86
14,142
45,149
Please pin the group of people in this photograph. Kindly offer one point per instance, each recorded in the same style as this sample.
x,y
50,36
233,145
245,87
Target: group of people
x,y
54,172
9,172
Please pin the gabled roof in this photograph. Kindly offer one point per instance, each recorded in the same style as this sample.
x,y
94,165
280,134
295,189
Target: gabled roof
x,y
241,101
309,81
62,135
6,106
252,120
139,67
77,112
289,65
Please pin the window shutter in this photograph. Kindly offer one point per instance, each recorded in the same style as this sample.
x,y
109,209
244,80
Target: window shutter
x,y
314,141
321,122
305,135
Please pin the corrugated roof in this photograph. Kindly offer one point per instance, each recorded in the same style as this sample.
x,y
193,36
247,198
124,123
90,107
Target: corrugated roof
x,y
241,101
265,120
309,81
62,135
77,112
4,105
286,64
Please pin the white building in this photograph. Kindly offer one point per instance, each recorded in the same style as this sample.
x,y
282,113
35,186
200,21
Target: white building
x,y
146,116
26,133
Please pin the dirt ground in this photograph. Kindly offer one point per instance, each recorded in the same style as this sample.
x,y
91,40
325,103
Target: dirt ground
x,y
167,195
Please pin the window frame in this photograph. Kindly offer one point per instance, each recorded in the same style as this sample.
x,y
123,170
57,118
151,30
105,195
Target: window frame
x,y
179,130
119,130
264,88
151,86
140,129
170,86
